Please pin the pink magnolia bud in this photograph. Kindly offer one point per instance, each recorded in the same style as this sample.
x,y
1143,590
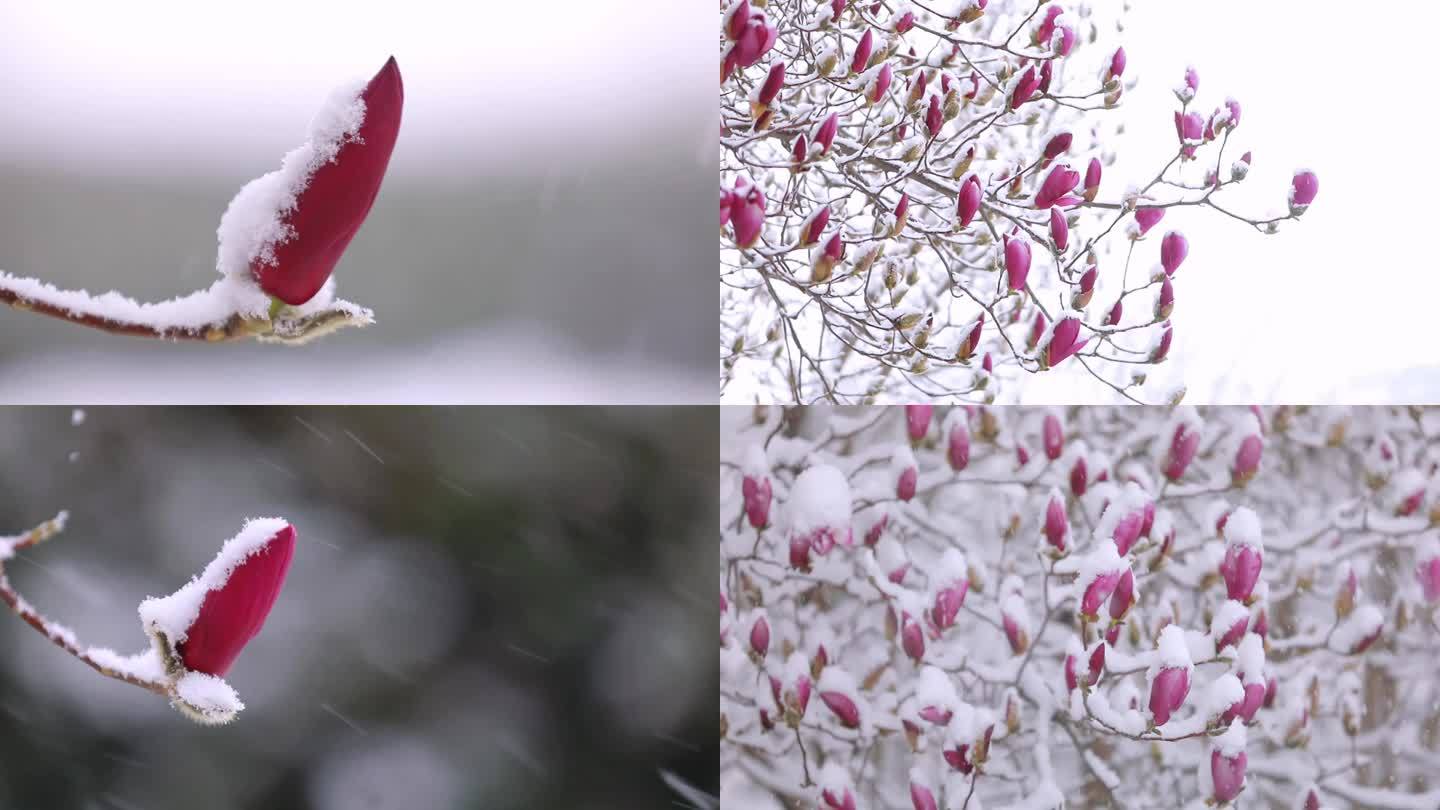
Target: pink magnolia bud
x,y
1096,665
825,135
1262,623
912,638
1192,83
1246,708
1233,108
1064,342
921,797
1117,311
905,485
1247,460
801,151
1162,349
236,592
774,80
957,451
1312,800
917,86
987,363
1167,693
1081,298
1053,436
1067,40
1015,634
1241,570
726,200
1057,186
1303,187
1127,531
754,40
872,535
933,117
1123,597
936,716
842,707
1092,179
905,22
760,637
1189,127
1046,74
738,16
967,347
861,59
756,493
1022,455
1173,249
1059,230
1057,524
902,213
1236,630
1046,28
800,552
917,420
969,202
1183,446
1055,147
1025,87
811,232
1428,571
1071,681
836,7
1165,303
1147,218
1098,591
747,213
1228,774
1411,503
1017,262
334,199
1079,477
881,83
1117,65
841,799
948,601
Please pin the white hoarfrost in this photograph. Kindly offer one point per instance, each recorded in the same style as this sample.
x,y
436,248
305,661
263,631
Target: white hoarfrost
x,y
172,615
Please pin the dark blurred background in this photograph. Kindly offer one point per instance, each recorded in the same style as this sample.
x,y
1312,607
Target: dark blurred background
x,y
488,607
545,232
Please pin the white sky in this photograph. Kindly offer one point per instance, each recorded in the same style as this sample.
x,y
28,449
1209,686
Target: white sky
x,y
106,86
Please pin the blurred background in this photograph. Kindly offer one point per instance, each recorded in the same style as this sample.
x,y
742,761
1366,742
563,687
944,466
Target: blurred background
x,y
488,607
545,231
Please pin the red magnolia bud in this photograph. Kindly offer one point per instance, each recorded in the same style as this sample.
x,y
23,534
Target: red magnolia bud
x,y
755,491
1123,597
814,227
1173,249
1057,524
1081,298
1017,262
1055,147
1092,179
333,180
1165,304
1059,230
881,83
774,80
912,638
843,707
933,117
1053,436
917,420
1097,665
1025,87
825,135
969,202
210,620
861,60
1228,775
1079,477
1117,311
1064,342
800,152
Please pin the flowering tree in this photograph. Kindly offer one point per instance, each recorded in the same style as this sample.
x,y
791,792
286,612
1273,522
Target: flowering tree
x,y
195,633
1095,607
280,238
912,205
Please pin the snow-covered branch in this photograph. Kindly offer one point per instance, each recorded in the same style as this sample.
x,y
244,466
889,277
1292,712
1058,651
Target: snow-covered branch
x,y
900,217
1107,607
279,239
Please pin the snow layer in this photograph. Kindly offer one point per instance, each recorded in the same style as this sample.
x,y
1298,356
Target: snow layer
x,y
172,615
206,698
254,223
1173,650
820,500
1242,528
1232,742
192,312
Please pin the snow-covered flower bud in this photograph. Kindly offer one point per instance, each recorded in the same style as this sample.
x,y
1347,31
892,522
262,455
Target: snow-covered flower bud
x,y
860,60
1123,597
934,118
825,134
1079,477
1056,188
1064,342
1170,682
755,490
1053,434
1025,87
1227,764
1055,147
1082,296
917,420
1186,91
766,91
747,212
957,449
912,638
1059,230
1173,250
1092,179
1147,218
814,226
1303,187
903,467
1057,524
1247,460
880,84
1229,624
1162,348
1017,262
1244,554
